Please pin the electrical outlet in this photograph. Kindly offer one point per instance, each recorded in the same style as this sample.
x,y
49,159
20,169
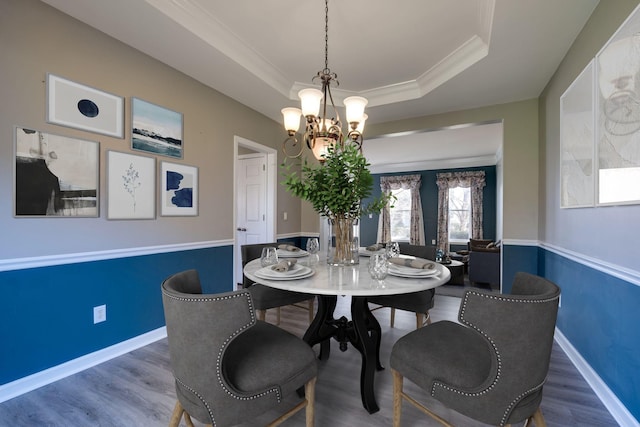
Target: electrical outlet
x,y
433,241
285,216
99,314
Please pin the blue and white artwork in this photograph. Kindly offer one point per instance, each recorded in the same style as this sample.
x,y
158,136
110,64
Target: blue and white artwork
x,y
82,107
179,190
156,129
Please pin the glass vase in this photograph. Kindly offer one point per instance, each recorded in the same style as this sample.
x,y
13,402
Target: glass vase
x,y
344,242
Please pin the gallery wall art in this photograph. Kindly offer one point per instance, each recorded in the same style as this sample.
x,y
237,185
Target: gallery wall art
x,y
131,186
618,115
82,107
178,190
54,175
156,129
577,139
600,125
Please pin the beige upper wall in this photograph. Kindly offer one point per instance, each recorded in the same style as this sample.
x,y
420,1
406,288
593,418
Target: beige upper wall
x,y
606,233
36,39
520,157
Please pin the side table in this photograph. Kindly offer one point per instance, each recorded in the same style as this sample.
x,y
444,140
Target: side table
x,y
457,272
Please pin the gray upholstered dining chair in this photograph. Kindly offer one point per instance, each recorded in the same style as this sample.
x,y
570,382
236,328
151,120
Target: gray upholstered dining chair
x,y
264,297
493,364
228,366
417,302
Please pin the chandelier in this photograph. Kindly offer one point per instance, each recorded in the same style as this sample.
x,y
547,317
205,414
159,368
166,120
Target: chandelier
x,y
321,130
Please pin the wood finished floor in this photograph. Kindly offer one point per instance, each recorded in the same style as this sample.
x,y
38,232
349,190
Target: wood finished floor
x,y
137,389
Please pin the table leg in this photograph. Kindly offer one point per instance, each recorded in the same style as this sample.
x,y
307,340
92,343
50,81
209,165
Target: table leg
x,y
321,330
369,346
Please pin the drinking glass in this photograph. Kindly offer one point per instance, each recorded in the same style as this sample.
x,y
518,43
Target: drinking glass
x,y
378,266
392,250
269,256
313,245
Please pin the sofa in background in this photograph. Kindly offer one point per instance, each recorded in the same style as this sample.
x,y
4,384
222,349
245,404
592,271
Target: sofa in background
x,y
484,262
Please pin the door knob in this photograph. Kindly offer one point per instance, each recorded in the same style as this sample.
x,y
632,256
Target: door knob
x,y
241,229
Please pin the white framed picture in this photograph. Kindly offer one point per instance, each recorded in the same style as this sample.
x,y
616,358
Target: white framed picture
x,y
55,176
577,142
156,129
82,107
178,190
131,186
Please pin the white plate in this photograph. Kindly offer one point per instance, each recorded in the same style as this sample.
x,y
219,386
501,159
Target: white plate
x,y
296,272
289,254
364,252
403,271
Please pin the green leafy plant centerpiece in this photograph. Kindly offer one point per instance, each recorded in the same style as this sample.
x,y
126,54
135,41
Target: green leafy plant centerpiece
x,y
336,189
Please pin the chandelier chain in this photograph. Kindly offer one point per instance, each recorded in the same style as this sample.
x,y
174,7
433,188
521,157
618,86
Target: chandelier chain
x,y
326,34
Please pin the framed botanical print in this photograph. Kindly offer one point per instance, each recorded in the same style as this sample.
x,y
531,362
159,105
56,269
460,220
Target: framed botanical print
x,y
131,186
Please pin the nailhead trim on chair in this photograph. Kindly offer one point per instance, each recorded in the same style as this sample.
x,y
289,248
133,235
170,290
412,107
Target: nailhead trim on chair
x,y
498,374
201,399
516,400
224,345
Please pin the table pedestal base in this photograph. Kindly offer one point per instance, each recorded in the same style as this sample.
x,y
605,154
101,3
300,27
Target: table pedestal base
x,y
363,332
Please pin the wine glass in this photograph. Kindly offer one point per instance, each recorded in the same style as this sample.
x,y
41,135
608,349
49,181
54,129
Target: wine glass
x,y
392,250
269,256
313,245
378,266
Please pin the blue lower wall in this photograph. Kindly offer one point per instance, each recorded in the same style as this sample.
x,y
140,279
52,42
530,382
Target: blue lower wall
x,y
517,258
600,316
46,313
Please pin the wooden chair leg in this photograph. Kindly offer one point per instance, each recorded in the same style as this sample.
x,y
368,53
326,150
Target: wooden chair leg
x,y
176,416
419,320
397,397
311,301
393,316
310,395
537,419
178,413
261,314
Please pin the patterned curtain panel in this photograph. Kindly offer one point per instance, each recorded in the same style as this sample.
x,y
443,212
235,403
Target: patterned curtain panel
x,y
446,180
412,182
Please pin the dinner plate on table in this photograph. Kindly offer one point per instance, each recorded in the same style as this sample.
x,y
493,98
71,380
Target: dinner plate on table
x,y
365,252
410,272
282,253
297,271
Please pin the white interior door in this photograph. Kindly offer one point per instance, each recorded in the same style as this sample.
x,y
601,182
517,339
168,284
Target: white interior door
x,y
251,203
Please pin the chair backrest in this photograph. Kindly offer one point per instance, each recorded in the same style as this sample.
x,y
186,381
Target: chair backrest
x,y
249,253
199,329
420,251
519,328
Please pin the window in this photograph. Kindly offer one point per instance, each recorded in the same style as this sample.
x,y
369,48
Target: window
x,y
401,215
459,214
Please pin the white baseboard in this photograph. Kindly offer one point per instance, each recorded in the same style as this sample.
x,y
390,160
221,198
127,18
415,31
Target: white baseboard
x,y
619,412
48,376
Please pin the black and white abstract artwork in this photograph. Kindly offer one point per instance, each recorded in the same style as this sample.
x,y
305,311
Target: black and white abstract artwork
x,y
55,176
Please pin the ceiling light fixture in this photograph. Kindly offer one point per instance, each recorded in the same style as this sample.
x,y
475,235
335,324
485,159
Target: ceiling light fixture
x,y
322,131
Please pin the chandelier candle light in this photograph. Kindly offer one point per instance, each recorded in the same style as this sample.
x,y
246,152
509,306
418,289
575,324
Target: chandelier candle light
x,y
322,131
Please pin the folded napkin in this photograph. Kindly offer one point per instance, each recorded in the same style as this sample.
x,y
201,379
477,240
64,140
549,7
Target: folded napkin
x,y
284,266
289,248
425,264
376,247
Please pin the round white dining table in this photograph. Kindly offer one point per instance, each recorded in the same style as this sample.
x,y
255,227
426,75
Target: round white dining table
x,y
363,330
